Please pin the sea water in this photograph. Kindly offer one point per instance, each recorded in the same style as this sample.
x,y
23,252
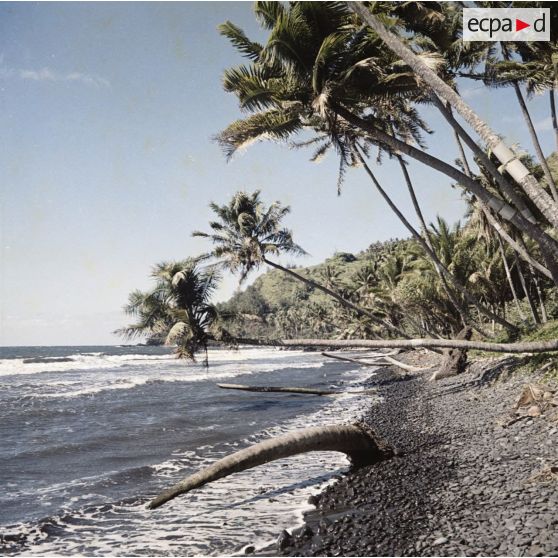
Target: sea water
x,y
89,434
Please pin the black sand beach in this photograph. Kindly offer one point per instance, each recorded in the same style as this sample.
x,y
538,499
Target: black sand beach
x,y
462,484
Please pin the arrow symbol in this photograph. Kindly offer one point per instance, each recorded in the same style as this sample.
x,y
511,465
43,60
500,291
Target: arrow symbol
x,y
519,25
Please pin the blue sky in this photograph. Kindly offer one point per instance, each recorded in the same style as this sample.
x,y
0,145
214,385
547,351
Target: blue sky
x,y
107,111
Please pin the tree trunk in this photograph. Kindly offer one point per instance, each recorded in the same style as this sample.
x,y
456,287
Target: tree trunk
x,y
535,140
509,277
527,347
388,361
455,360
360,446
281,389
432,254
505,186
339,298
549,246
424,229
525,288
393,362
544,317
553,114
503,153
491,220
517,248
537,285
461,149
352,360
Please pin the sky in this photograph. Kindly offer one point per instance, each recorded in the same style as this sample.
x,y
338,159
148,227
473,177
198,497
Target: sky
x,y
107,163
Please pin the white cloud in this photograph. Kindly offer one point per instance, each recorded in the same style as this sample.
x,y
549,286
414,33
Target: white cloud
x,y
47,74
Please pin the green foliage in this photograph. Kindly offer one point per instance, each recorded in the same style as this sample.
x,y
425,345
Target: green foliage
x,y
545,332
393,279
246,232
177,311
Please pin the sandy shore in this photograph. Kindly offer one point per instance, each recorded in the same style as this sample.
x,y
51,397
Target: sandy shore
x,y
463,484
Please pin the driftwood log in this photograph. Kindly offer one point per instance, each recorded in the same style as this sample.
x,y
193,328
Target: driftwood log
x,y
359,445
347,359
281,389
410,367
375,355
382,360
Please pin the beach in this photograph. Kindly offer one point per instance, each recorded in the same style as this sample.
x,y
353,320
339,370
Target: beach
x,y
466,478
91,434
467,481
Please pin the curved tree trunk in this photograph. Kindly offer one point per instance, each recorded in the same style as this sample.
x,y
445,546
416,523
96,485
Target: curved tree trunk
x,y
527,347
431,253
535,140
338,297
503,153
359,445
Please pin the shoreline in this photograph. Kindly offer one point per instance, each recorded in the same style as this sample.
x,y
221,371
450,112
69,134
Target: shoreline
x,y
461,483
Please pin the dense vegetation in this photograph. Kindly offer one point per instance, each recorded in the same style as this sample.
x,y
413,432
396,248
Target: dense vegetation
x,y
397,281
352,78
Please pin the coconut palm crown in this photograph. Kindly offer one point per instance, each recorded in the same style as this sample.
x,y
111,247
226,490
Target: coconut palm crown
x,y
246,232
177,311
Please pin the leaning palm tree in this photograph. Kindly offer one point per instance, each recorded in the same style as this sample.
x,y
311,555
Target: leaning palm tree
x,y
505,155
177,311
305,73
508,72
247,233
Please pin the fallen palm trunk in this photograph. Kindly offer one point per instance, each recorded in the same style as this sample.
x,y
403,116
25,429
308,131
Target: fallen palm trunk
x,y
394,362
281,389
384,360
347,359
377,355
528,347
359,445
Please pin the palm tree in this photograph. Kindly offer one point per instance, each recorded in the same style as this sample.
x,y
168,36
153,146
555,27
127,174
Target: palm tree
x,y
505,155
292,84
177,311
480,224
306,75
538,70
509,72
247,233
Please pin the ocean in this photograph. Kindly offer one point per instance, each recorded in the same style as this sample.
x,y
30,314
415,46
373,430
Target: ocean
x,y
89,434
